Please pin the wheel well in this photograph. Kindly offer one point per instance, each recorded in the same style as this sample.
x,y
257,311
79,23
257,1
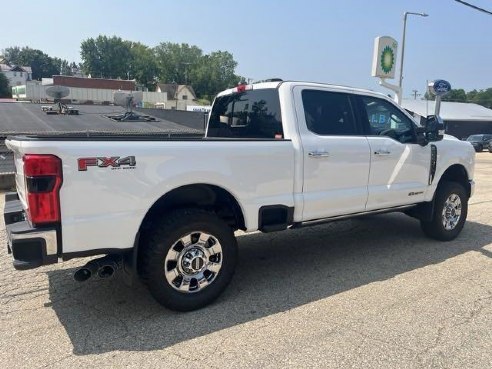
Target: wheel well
x,y
202,196
457,173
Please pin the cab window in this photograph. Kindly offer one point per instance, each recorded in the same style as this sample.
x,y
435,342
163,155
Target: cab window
x,y
328,113
385,119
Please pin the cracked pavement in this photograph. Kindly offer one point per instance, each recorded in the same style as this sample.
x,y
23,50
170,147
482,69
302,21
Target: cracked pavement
x,y
371,292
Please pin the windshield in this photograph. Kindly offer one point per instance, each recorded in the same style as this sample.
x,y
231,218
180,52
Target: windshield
x,y
474,138
249,114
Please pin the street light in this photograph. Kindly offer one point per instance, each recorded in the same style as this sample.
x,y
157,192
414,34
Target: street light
x,y
405,15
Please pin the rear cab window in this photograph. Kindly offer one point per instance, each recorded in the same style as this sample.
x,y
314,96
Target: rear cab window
x,y
251,114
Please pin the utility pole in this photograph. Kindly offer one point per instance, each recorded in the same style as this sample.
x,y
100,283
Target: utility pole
x,y
186,71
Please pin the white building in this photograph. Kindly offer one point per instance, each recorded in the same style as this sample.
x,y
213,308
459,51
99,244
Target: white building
x,y
16,74
461,119
35,91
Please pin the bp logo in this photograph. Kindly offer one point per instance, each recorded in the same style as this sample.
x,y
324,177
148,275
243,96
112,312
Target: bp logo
x,y
387,59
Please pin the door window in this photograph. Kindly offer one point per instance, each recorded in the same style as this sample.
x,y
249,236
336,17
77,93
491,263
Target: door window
x,y
328,113
385,119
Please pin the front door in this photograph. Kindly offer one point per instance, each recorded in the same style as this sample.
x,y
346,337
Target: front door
x,y
336,154
399,166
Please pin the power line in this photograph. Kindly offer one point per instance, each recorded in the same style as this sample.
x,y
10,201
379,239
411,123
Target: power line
x,y
474,7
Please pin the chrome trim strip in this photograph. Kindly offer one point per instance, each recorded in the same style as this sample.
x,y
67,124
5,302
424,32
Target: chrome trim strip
x,y
48,236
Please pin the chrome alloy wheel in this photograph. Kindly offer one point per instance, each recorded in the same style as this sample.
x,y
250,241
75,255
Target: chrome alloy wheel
x,y
193,262
451,212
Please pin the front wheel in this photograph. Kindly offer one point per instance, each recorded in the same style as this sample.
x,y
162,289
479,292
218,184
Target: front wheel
x,y
189,259
450,211
479,148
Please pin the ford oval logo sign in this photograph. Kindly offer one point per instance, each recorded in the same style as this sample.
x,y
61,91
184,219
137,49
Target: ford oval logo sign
x,y
440,87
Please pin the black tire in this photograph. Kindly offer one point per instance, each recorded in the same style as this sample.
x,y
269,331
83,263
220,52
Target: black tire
x,y
436,228
490,149
167,233
479,148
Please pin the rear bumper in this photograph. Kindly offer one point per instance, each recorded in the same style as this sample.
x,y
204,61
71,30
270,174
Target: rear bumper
x,y
30,247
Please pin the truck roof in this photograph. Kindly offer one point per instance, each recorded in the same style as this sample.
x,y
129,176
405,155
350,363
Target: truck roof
x,y
276,84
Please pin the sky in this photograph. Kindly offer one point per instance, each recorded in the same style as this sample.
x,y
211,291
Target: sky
x,y
329,41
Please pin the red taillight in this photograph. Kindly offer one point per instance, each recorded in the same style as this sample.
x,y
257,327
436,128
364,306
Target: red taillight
x,y
43,177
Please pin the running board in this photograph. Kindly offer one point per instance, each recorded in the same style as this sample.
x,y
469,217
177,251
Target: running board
x,y
348,216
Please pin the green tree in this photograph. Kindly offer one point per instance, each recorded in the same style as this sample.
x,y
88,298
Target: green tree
x,y
482,97
106,57
13,54
63,67
455,95
42,65
176,61
112,57
470,95
214,73
4,86
143,65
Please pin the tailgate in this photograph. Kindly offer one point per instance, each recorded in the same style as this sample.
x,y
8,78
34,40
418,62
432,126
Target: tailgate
x,y
16,147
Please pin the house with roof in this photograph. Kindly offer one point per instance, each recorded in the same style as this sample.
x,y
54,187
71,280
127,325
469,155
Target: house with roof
x,y
16,74
178,96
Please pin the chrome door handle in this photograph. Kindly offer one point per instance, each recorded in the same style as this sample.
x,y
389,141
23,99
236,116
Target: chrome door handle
x,y
317,154
382,152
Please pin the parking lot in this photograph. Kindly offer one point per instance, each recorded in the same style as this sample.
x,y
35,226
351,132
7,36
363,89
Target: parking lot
x,y
364,293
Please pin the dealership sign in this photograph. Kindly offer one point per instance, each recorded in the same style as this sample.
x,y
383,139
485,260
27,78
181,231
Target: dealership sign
x,y
439,87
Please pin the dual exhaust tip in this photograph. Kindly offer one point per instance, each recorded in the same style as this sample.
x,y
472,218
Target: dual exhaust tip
x,y
104,268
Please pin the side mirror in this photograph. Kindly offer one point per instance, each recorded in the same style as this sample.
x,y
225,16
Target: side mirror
x,y
434,128
421,136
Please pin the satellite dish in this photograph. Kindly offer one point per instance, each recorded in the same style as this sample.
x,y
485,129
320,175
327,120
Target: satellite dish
x,y
128,99
57,92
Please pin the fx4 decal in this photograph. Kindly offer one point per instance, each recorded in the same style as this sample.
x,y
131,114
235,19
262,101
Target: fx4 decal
x,y
115,162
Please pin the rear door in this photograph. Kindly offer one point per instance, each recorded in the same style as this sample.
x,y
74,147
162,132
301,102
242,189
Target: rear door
x,y
399,166
335,153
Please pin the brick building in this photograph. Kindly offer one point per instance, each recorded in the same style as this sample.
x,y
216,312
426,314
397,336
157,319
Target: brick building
x,y
98,83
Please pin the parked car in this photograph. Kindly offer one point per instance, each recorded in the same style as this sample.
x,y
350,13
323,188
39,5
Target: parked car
x,y
480,142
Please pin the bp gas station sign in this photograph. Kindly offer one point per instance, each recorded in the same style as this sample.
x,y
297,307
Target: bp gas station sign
x,y
384,57
384,67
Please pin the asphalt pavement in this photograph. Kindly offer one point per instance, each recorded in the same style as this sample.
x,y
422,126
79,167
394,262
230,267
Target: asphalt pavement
x,y
365,293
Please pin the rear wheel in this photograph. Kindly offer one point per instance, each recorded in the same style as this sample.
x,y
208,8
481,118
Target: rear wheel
x,y
479,148
450,211
189,259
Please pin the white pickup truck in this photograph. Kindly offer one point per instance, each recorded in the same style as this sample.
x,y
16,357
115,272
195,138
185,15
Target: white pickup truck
x,y
276,155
